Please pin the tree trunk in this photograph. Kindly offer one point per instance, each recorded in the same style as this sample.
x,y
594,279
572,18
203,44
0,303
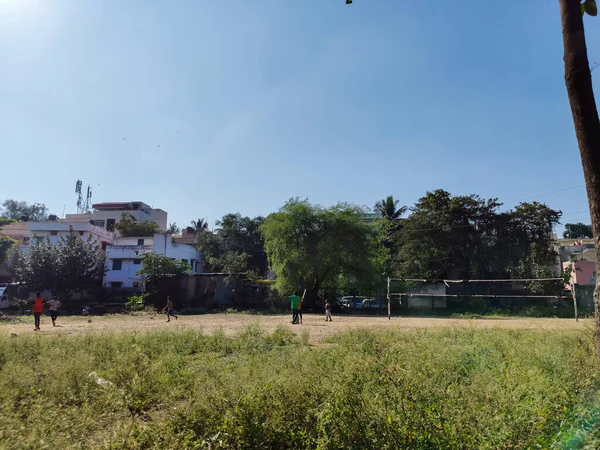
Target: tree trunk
x,y
578,79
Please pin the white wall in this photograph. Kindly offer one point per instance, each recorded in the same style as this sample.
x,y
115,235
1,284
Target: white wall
x,y
127,250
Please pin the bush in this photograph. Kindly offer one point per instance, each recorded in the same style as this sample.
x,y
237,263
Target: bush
x,y
135,303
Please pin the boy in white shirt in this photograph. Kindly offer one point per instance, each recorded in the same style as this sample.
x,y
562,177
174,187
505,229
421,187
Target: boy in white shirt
x,y
53,306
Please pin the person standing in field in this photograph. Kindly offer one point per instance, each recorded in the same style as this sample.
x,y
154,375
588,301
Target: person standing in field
x,y
38,309
295,302
170,309
327,311
53,305
300,309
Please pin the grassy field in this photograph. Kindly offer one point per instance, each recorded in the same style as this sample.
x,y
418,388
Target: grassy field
x,y
456,386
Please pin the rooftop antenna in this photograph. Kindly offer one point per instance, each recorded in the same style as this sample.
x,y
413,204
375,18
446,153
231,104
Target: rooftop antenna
x,y
83,206
79,197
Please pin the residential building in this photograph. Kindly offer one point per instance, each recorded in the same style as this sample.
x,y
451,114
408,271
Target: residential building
x,y
124,258
584,273
107,215
54,230
573,250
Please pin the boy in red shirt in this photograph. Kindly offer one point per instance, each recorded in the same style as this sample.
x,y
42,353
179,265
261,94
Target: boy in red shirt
x,y
38,309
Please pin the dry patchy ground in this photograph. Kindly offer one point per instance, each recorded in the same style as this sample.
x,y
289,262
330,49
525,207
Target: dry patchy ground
x,y
315,325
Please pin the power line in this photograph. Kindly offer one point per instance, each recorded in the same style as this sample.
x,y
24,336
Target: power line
x,y
545,193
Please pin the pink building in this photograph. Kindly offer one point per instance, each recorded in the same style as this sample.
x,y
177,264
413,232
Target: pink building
x,y
584,274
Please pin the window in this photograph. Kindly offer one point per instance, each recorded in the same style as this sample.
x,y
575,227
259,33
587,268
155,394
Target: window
x,y
137,262
99,223
81,233
117,264
140,242
104,246
110,225
54,233
26,240
116,284
184,260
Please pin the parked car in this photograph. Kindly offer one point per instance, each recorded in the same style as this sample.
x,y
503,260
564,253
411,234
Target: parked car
x,y
374,303
351,302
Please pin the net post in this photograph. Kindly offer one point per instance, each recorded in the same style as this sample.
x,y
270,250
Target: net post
x,y
574,302
388,299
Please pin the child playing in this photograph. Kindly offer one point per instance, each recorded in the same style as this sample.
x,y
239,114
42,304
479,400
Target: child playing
x,y
327,311
170,309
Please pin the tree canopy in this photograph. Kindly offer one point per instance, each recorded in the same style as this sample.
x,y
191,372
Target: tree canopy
x,y
466,236
71,265
313,247
577,230
237,246
6,243
13,209
128,226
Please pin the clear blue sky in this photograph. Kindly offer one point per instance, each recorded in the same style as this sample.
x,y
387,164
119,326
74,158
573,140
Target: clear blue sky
x,y
205,107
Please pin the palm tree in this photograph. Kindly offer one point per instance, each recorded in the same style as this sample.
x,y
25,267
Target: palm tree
x,y
173,228
200,225
388,208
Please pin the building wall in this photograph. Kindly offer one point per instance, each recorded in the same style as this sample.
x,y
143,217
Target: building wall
x,y
128,252
584,274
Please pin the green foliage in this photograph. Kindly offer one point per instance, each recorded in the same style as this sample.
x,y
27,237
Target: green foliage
x,y
128,226
135,303
236,248
72,265
6,244
199,225
13,209
388,208
6,221
468,237
173,228
577,230
315,247
449,389
155,265
589,7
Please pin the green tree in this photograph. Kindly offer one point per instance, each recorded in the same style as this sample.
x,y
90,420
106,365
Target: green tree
x,y
577,230
156,266
6,244
578,80
200,225
234,237
6,221
468,237
128,226
71,265
37,269
80,264
173,228
13,209
312,247
388,208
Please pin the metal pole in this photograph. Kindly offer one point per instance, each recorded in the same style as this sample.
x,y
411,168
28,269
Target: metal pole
x,y
574,302
388,299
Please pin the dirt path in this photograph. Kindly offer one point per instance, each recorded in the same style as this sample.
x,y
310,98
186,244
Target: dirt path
x,y
233,324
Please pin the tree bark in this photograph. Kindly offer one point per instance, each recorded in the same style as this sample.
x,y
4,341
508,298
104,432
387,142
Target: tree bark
x,y
578,79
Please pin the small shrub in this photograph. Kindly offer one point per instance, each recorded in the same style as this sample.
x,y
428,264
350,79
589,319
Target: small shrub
x,y
135,303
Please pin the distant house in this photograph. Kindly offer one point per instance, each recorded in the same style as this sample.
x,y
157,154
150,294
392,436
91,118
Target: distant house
x,y
107,215
124,258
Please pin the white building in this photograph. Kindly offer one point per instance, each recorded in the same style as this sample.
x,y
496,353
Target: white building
x,y
124,258
54,230
107,215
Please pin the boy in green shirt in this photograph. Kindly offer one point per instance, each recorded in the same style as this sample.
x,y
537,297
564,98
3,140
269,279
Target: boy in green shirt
x,y
295,301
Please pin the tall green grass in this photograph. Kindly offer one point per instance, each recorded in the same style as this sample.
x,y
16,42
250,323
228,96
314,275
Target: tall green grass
x,y
451,388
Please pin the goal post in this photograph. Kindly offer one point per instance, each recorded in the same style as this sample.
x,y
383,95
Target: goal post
x,y
447,282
